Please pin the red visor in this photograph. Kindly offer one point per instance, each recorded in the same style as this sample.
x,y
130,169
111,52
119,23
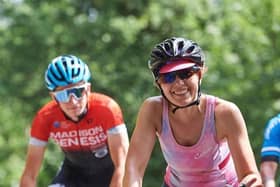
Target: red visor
x,y
176,65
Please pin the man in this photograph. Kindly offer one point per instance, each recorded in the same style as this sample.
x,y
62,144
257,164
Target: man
x,y
88,127
270,151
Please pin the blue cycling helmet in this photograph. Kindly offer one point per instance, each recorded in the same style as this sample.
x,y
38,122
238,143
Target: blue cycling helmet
x,y
65,70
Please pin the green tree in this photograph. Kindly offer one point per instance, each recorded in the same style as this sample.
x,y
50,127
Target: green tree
x,y
115,37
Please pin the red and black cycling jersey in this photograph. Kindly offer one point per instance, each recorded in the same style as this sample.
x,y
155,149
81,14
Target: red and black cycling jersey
x,y
85,141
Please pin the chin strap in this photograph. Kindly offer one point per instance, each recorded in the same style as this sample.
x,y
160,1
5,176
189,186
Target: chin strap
x,y
195,102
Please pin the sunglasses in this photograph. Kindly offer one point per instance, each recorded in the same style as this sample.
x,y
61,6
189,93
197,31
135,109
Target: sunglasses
x,y
182,74
64,95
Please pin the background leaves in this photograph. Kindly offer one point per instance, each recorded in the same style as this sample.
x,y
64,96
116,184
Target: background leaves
x,y
240,39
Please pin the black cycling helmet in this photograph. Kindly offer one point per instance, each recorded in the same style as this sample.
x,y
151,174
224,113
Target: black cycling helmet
x,y
173,49
174,54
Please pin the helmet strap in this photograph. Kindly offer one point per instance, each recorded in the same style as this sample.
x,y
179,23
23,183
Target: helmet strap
x,y
195,102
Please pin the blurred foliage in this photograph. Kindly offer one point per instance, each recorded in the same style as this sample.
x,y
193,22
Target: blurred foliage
x,y
240,39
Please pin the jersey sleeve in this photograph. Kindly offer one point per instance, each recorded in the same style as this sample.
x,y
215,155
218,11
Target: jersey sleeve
x,y
111,114
39,128
271,142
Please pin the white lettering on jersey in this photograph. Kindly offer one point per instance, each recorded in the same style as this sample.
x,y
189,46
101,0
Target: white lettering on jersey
x,y
84,137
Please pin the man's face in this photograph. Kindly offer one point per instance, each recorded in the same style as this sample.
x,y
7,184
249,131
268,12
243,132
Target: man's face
x,y
72,98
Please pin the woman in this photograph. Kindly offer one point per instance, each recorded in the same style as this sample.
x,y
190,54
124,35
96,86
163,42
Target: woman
x,y
203,138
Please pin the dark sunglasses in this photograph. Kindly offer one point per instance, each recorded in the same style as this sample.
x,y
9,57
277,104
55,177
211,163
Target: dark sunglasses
x,y
64,95
182,74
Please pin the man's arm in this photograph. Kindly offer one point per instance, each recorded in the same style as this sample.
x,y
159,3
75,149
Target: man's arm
x,y
268,170
35,155
118,146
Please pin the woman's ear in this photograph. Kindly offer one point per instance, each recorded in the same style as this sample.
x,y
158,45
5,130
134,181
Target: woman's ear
x,y
201,73
205,69
156,83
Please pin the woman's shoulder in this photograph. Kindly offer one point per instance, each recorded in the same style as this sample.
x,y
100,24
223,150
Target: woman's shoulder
x,y
154,100
226,111
150,113
152,105
224,106
228,118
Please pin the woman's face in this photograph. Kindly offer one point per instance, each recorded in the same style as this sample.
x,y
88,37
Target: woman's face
x,y
180,87
75,99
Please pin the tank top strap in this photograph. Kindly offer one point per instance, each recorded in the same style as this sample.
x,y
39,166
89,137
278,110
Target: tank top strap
x,y
164,113
210,113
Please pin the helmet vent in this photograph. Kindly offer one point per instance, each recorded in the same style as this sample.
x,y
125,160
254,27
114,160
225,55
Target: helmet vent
x,y
190,49
167,47
59,73
76,73
181,45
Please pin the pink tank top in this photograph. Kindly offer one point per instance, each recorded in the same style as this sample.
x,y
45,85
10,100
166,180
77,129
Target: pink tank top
x,y
208,163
